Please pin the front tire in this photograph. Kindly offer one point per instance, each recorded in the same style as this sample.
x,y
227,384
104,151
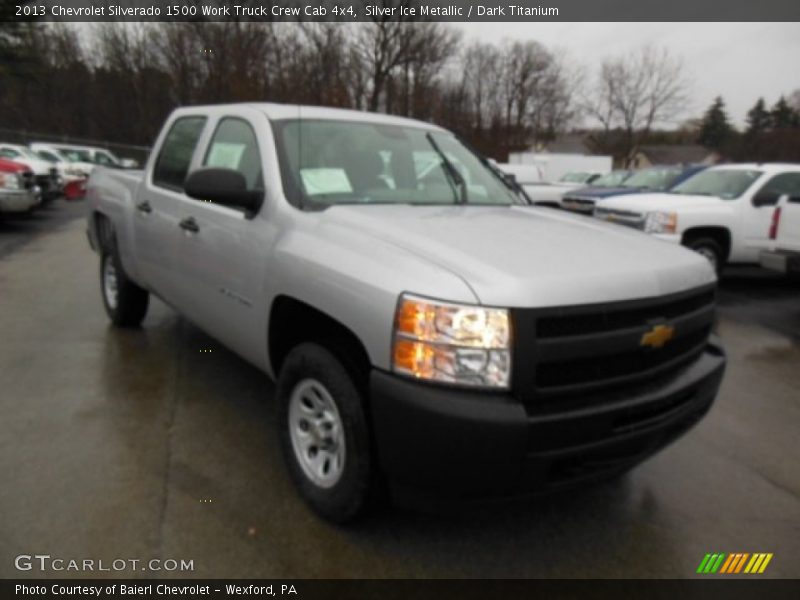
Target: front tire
x,y
125,302
324,433
710,249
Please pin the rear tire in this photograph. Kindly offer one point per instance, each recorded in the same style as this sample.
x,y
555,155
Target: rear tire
x,y
324,433
125,302
710,249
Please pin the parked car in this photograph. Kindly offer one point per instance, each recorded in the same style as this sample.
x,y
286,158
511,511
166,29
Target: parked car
x,y
783,254
652,179
18,191
71,167
582,199
96,156
434,332
46,175
724,212
73,176
551,193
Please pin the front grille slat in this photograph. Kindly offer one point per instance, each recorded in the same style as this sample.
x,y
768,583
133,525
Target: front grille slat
x,y
584,377
591,352
616,341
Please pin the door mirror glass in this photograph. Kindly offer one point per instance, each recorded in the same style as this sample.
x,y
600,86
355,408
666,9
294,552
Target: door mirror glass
x,y
223,186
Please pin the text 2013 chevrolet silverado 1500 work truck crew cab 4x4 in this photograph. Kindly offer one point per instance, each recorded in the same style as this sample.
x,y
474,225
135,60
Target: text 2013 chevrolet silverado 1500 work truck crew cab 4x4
x,y
426,329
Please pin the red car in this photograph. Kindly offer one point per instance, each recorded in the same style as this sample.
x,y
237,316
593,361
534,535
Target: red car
x,y
75,189
18,191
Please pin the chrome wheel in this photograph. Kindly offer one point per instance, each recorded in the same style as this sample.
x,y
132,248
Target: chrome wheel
x,y
110,284
316,431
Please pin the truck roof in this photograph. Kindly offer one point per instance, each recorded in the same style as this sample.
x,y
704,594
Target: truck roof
x,y
768,167
276,111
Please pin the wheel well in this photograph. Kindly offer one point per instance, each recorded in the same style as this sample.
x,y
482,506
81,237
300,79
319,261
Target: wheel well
x,y
104,230
293,322
719,234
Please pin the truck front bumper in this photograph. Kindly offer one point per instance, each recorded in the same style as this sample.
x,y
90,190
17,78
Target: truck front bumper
x,y
452,442
18,201
781,261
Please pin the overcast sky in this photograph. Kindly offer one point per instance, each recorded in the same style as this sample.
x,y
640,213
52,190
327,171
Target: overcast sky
x,y
740,61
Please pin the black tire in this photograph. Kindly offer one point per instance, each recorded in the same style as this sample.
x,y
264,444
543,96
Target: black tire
x,y
132,301
710,249
347,498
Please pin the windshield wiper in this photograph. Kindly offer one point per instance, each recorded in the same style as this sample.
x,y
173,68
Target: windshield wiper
x,y
453,174
507,180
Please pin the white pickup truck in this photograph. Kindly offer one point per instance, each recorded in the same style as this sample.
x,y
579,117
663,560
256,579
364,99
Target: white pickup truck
x,y
724,212
784,234
427,328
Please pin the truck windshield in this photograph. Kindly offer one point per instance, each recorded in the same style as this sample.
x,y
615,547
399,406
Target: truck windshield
x,y
328,162
575,177
652,179
722,183
74,155
613,179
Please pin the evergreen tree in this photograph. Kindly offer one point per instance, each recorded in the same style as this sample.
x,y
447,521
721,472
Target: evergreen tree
x,y
758,119
784,116
715,129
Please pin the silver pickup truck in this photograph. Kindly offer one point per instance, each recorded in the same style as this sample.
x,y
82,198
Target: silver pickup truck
x,y
430,332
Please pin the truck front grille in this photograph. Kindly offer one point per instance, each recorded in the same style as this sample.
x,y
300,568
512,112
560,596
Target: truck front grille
x,y
622,217
582,353
28,180
577,204
44,181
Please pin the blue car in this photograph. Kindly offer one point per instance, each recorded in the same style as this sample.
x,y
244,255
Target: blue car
x,y
623,182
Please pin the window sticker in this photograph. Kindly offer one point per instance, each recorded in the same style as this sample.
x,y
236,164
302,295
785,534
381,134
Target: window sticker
x,y
320,181
225,155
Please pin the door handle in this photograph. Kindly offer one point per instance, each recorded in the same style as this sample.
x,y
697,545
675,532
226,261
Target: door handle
x,y
189,224
144,207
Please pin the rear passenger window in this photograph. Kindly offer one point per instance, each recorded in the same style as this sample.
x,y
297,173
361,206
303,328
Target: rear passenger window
x,y
234,146
785,183
176,153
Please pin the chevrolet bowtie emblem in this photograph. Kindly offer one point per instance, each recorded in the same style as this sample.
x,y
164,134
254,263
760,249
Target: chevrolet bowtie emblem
x,y
658,336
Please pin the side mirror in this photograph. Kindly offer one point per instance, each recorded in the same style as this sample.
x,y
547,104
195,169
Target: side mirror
x,y
765,199
223,186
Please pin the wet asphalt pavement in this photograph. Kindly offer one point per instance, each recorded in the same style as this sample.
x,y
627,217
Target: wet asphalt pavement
x,y
145,444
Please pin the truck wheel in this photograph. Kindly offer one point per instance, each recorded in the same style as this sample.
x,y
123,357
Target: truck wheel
x,y
710,249
126,303
324,433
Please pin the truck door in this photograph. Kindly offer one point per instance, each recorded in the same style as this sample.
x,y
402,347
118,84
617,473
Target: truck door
x,y
157,211
222,263
758,214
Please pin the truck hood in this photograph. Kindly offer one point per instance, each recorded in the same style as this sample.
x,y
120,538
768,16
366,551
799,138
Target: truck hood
x,y
660,201
530,257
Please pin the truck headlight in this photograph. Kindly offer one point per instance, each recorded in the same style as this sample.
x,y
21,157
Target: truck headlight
x,y
661,222
452,343
10,181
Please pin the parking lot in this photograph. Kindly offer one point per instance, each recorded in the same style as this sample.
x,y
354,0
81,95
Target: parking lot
x,y
160,443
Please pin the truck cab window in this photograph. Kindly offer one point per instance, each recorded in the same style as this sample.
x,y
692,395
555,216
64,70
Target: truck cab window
x,y
173,161
234,146
785,183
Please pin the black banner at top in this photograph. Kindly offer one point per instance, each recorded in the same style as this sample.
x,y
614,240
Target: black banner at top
x,y
400,10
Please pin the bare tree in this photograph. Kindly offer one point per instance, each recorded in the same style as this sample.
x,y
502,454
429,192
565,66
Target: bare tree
x,y
382,46
481,82
637,91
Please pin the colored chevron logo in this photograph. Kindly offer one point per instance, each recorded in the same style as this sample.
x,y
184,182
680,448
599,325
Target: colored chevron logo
x,y
738,562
